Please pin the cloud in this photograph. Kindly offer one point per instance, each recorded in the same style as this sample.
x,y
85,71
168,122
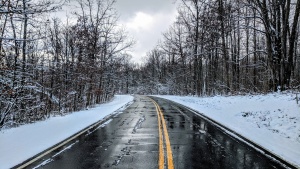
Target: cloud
x,y
140,22
147,29
145,21
127,8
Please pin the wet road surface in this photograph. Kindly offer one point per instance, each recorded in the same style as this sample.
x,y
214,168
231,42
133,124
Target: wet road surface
x,y
132,140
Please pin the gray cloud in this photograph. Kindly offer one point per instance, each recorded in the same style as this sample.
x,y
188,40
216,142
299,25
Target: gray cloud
x,y
127,8
145,20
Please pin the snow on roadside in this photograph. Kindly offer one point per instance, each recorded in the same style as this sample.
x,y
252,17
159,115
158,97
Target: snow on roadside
x,y
272,121
19,144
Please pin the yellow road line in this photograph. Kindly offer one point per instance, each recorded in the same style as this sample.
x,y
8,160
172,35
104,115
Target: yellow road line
x,y
161,149
166,136
168,143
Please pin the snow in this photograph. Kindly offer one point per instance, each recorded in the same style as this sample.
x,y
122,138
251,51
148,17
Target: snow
x,y
271,121
19,144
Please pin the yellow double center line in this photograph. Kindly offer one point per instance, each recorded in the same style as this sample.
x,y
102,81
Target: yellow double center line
x,y
162,125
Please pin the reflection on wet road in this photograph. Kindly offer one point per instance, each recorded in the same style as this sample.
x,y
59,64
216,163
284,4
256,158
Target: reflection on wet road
x,y
130,140
199,144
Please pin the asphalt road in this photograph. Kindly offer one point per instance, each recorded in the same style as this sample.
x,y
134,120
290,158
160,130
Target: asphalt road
x,y
155,134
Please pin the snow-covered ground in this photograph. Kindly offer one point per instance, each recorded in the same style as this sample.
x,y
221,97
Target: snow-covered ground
x,y
272,121
19,144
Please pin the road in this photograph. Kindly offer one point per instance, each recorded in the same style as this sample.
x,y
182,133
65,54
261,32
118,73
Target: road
x,y
155,134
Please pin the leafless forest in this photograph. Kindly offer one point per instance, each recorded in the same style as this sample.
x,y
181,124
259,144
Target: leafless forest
x,y
50,66
227,47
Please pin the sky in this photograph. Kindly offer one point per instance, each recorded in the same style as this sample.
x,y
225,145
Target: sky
x,y
145,21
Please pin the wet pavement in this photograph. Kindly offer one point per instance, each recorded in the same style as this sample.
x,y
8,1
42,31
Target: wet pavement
x,y
130,140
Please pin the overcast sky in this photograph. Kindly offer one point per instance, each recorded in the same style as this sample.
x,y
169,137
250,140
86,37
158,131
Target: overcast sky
x,y
145,21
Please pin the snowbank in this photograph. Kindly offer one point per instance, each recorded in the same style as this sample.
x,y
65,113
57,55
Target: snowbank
x,y
272,121
19,144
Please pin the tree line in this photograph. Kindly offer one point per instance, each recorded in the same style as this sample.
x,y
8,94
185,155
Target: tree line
x,y
50,66
225,47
